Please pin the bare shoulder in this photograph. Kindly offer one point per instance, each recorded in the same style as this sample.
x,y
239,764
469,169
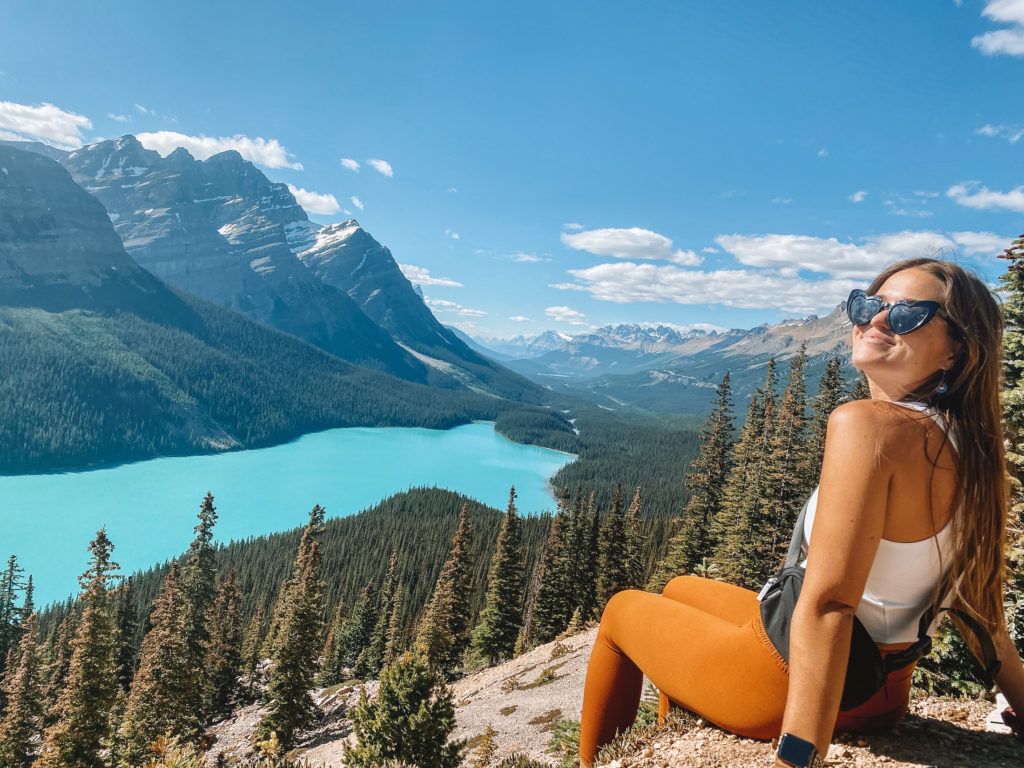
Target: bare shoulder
x,y
876,425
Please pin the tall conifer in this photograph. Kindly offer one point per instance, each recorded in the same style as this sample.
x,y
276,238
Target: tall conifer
x,y
124,619
371,659
635,541
82,728
159,703
251,656
224,652
11,583
501,618
444,631
57,669
199,589
22,721
832,392
296,654
613,574
697,536
358,628
554,604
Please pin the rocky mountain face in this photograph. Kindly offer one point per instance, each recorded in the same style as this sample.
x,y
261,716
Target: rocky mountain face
x,y
663,368
221,230
57,249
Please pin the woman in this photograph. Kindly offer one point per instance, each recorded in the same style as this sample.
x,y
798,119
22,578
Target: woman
x,y
912,488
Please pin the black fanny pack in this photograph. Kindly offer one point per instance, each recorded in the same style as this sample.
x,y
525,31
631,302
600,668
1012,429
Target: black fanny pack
x,y
866,670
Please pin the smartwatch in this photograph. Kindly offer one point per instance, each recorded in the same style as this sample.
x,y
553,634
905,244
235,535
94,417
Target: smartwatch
x,y
798,753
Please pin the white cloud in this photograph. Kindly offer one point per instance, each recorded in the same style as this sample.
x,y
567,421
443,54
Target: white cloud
x,y
143,110
451,189
980,243
118,118
266,152
422,276
1009,40
1012,133
452,235
626,282
381,166
709,249
858,196
444,305
348,162
920,214
790,254
822,152
520,319
573,225
632,243
524,257
566,314
972,195
314,202
356,202
782,200
45,122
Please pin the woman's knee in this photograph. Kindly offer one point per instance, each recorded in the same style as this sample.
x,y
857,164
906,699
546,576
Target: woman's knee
x,y
680,586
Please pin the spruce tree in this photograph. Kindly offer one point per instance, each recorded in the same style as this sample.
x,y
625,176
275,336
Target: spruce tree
x,y
698,532
199,588
1013,416
785,483
159,703
11,583
409,722
741,496
22,721
371,659
58,668
224,652
635,541
444,631
295,661
251,656
832,392
358,628
613,574
396,625
495,635
82,727
124,619
553,605
587,600
330,666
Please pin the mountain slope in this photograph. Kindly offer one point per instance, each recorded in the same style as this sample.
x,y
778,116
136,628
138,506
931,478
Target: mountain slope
x,y
221,230
102,362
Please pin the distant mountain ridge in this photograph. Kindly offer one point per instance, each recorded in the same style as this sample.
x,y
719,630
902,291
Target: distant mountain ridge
x,y
103,362
221,230
666,368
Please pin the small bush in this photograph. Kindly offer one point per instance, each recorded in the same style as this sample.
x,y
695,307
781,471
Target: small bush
x,y
565,742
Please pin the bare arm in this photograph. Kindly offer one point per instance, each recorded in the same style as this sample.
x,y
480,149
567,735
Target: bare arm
x,y
848,525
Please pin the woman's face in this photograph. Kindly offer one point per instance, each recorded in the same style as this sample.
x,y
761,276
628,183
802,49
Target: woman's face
x,y
896,365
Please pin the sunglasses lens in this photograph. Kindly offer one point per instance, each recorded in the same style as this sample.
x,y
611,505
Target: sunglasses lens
x,y
904,319
862,308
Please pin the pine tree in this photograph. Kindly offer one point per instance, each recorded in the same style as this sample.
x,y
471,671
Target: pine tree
x,y
784,482
371,659
159,702
125,621
502,616
251,656
224,652
613,574
82,729
58,668
199,588
586,589
553,606
330,666
408,722
11,582
396,625
698,532
861,391
831,393
443,634
742,494
635,541
22,722
358,628
1013,415
295,661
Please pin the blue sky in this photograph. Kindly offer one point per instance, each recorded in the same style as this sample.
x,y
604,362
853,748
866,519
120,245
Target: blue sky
x,y
567,165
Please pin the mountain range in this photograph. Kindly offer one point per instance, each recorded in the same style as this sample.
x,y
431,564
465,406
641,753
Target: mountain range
x,y
104,362
661,367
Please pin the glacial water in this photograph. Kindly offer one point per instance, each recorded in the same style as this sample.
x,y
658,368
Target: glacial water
x,y
149,508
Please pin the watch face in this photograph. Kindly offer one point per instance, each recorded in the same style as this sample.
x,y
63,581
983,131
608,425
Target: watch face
x,y
797,752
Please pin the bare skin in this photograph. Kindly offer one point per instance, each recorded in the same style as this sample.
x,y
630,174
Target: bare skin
x,y
877,481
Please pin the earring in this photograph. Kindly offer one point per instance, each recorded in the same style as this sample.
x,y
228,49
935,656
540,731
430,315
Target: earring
x,y
943,387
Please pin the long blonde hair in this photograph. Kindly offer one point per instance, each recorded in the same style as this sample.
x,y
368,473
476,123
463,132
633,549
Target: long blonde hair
x,y
973,415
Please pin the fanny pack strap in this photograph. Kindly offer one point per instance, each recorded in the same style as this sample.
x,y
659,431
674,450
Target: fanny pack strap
x,y
989,661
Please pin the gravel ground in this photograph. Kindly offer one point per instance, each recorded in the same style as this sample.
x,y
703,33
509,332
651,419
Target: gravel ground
x,y
523,698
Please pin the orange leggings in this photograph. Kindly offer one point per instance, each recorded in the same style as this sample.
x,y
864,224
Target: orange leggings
x,y
702,644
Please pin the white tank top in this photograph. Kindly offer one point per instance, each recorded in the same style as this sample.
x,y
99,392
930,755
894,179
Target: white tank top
x,y
903,576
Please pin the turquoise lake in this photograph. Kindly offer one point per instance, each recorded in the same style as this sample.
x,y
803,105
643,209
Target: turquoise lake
x,y
149,508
